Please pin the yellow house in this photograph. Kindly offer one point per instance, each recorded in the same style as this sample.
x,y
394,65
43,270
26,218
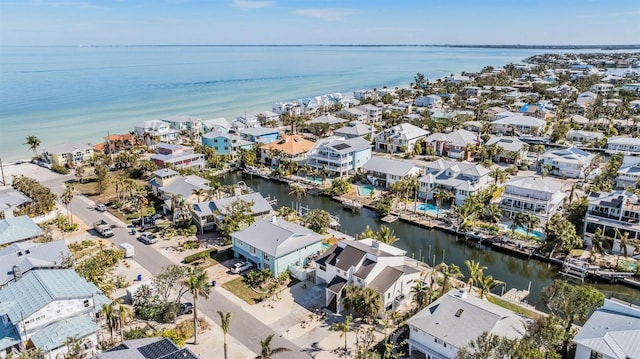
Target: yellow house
x,y
67,153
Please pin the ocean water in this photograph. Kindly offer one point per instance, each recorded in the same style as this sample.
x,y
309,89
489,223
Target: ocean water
x,y
79,94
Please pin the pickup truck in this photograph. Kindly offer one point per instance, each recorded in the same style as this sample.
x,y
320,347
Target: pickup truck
x,y
103,228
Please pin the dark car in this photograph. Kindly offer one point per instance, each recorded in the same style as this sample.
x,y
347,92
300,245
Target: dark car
x,y
147,226
185,308
147,220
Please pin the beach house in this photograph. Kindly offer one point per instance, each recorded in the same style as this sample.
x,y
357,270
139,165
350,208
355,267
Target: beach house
x,y
525,194
277,245
286,148
155,347
383,172
456,319
207,214
610,211
269,119
629,172
624,145
453,144
569,162
171,187
603,89
366,263
177,156
581,136
355,129
214,124
115,143
18,229
12,201
374,113
508,149
225,143
67,154
399,138
152,131
632,87
461,179
354,114
340,156
429,101
259,135
188,124
518,125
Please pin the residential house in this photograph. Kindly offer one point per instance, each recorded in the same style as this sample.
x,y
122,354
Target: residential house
x,y
243,122
491,112
364,94
170,186
225,143
568,162
457,80
277,245
287,108
603,89
287,148
156,131
18,229
116,143
374,113
586,98
473,91
518,125
612,331
525,194
366,263
354,114
512,149
338,155
154,347
67,154
19,258
456,319
216,124
581,136
610,211
578,121
327,119
399,138
503,114
429,101
177,156
634,87
624,145
355,129
473,126
207,214
453,144
383,172
269,118
12,201
260,135
185,123
461,179
562,90
629,172
44,307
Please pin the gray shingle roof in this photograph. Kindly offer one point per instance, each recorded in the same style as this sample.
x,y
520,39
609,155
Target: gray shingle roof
x,y
359,129
389,166
328,119
460,137
258,131
277,238
185,185
27,256
16,229
385,279
520,121
11,198
508,143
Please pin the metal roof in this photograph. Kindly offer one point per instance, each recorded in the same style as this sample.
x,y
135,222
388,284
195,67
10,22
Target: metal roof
x,y
260,205
612,334
54,335
277,237
27,256
15,229
389,166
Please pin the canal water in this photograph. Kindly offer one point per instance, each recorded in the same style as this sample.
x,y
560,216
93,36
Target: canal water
x,y
431,245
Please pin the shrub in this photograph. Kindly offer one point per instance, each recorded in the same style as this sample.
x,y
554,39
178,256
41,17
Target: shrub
x,y
191,245
200,255
60,169
134,333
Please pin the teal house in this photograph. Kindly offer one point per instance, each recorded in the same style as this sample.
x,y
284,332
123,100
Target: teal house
x,y
278,245
225,143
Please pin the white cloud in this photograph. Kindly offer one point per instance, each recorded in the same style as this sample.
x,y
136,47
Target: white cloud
x,y
326,14
252,4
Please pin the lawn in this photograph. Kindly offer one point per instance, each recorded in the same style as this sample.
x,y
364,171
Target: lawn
x,y
514,307
241,290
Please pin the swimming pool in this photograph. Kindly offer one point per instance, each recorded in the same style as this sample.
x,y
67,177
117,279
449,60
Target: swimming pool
x,y
428,208
365,190
523,231
316,180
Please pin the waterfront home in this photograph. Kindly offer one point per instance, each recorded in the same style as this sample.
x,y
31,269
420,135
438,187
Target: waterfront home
x,y
246,121
338,155
19,258
177,156
277,245
624,145
518,125
603,89
287,108
225,143
525,194
287,148
629,172
170,186
353,114
67,154
259,135
457,80
461,179
610,211
188,124
207,214
567,162
216,124
383,172
399,138
364,94
612,331
18,229
163,348
429,101
155,130
453,144
355,129
365,263
116,143
491,112
509,149
581,136
503,114
45,307
269,118
11,201
456,319
634,88
374,113
327,119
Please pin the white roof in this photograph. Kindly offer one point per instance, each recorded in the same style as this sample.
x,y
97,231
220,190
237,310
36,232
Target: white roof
x,y
569,155
277,237
67,148
508,143
623,140
459,137
520,121
390,166
406,131
535,183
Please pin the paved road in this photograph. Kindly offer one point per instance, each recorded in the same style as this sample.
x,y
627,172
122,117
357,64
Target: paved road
x,y
244,327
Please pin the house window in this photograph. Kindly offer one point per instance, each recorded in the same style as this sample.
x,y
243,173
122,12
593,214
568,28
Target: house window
x,y
86,303
265,257
595,355
323,268
252,249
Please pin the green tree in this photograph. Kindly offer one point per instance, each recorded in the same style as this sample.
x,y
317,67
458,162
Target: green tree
x,y
235,216
225,321
531,221
486,284
266,352
493,213
475,270
440,198
297,191
124,314
33,142
198,284
110,315
343,328
246,157
449,272
101,177
66,198
386,235
561,234
365,301
420,294
576,212
498,175
367,233
519,221
318,220
487,346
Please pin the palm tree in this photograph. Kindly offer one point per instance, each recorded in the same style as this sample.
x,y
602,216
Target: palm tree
x,y
475,270
225,320
531,221
486,284
66,198
367,233
267,352
499,175
386,235
494,213
199,192
421,294
449,272
343,328
110,315
124,314
440,198
518,221
33,142
597,243
198,285
298,191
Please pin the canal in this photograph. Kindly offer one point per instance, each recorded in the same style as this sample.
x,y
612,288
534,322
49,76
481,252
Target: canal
x,y
432,245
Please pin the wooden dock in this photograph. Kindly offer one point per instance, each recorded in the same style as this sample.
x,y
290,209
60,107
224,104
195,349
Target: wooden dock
x,y
389,219
352,205
516,295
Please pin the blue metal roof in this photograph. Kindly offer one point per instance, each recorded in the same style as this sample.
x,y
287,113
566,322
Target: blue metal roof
x,y
53,336
8,336
15,229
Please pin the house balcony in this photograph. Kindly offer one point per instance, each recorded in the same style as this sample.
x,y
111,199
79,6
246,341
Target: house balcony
x,y
525,199
414,345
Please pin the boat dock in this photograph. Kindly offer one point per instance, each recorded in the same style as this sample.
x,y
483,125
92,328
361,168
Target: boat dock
x,y
352,205
515,295
579,270
389,219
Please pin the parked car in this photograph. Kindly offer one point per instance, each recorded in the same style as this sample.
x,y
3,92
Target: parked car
x,y
148,238
147,220
185,308
147,226
101,207
241,267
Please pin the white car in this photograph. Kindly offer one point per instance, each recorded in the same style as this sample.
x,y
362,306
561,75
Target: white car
x,y
101,208
148,238
241,267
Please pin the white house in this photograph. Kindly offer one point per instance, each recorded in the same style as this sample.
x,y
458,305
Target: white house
x,y
513,150
338,155
611,332
184,123
460,178
520,124
156,128
610,211
366,263
429,101
19,258
624,145
568,162
634,87
453,144
384,172
168,185
402,137
206,214
524,194
603,89
629,172
581,136
374,113
355,129
456,319
67,154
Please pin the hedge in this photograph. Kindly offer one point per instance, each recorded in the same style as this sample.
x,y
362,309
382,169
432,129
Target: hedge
x,y
200,255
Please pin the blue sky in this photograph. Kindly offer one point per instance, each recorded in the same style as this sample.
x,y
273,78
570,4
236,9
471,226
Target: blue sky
x,y
130,22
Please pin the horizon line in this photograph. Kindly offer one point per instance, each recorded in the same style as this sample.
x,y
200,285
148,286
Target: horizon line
x,y
523,46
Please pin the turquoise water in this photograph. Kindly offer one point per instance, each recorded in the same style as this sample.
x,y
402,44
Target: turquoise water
x,y
523,231
428,208
365,190
81,93
316,180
